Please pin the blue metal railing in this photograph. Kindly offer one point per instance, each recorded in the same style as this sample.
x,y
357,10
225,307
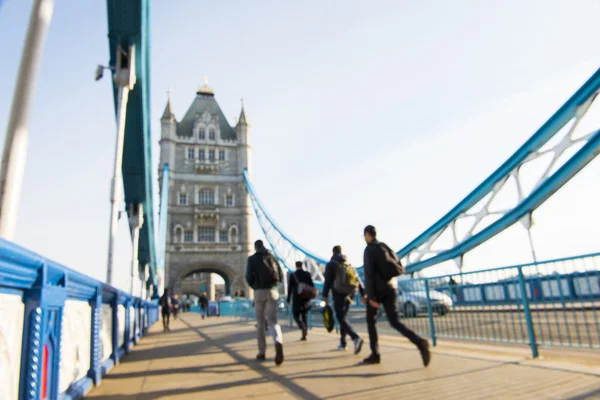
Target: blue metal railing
x,y
549,303
45,293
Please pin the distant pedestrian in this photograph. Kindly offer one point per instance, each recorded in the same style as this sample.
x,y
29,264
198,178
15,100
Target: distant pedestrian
x,y
382,267
300,282
165,305
264,275
203,305
342,280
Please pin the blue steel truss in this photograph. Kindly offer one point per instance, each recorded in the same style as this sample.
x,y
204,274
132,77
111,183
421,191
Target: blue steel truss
x,y
419,253
558,137
129,24
284,248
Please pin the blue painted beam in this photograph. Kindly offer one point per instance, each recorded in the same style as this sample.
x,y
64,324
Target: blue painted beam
x,y
128,24
537,141
568,170
294,244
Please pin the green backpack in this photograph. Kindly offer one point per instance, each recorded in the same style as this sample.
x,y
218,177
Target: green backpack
x,y
346,279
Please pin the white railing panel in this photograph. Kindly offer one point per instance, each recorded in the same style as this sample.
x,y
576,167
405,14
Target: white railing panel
x,y
75,342
11,334
121,326
106,332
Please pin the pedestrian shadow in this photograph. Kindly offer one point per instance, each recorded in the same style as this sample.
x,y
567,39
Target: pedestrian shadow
x,y
213,369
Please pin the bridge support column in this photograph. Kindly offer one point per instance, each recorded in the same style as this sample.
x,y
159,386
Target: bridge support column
x,y
136,220
125,80
42,331
95,372
17,134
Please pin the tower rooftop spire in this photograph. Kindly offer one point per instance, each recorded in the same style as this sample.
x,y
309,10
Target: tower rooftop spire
x,y
205,89
243,119
168,114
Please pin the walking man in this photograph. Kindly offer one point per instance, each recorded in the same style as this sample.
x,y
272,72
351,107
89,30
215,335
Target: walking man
x,y
264,275
203,305
343,294
381,270
300,305
165,305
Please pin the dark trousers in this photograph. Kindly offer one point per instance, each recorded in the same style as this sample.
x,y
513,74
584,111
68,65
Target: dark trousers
x,y
301,319
341,306
389,302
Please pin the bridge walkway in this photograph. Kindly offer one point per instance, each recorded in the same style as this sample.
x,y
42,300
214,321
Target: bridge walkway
x,y
214,359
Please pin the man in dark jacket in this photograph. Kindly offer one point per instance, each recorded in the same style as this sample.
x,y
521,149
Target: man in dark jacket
x,y
341,301
300,305
380,292
203,302
264,275
165,305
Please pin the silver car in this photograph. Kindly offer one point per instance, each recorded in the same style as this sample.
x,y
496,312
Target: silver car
x,y
412,299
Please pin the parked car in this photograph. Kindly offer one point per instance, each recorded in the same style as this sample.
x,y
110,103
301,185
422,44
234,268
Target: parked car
x,y
412,299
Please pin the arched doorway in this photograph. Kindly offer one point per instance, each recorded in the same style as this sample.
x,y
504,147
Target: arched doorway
x,y
197,281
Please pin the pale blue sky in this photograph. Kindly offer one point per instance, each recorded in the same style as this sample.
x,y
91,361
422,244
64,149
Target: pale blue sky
x,y
386,112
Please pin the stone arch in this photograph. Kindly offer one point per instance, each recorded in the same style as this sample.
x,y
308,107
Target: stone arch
x,y
221,269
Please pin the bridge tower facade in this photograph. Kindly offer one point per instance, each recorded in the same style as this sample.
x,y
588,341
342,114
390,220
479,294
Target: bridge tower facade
x,y
209,208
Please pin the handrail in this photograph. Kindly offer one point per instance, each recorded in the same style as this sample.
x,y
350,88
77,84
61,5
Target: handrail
x,y
44,286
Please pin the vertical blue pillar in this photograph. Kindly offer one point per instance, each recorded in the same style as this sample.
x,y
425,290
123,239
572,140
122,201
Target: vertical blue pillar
x,y
136,321
528,319
115,330
128,341
42,331
430,315
95,371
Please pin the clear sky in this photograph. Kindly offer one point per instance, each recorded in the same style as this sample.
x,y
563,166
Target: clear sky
x,y
384,113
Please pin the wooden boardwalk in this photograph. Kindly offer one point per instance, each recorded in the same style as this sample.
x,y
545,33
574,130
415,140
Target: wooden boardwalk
x,y
214,359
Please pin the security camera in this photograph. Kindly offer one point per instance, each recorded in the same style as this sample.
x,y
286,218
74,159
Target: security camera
x,y
99,72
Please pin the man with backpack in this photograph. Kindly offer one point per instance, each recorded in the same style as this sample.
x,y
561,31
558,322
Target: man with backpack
x,y
264,275
301,290
165,305
382,268
341,278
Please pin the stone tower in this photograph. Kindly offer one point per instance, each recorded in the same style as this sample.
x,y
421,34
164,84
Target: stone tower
x,y
209,208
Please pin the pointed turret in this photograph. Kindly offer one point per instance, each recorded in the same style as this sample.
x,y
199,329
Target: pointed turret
x,y
243,120
168,114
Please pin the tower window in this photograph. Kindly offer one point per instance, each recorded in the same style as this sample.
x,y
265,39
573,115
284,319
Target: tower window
x,y
188,236
229,200
191,154
202,134
223,236
222,155
211,134
206,234
207,197
183,199
211,155
201,154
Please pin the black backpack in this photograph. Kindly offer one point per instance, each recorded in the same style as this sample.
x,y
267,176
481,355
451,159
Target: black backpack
x,y
268,270
389,266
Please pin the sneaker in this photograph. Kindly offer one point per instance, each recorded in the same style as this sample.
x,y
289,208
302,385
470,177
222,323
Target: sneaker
x,y
372,359
261,357
423,347
358,345
278,353
342,347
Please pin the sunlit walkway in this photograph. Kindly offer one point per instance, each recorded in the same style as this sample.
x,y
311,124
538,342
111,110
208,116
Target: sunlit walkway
x,y
214,359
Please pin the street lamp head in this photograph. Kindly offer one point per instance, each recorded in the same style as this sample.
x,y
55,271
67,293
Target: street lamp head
x,y
99,72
